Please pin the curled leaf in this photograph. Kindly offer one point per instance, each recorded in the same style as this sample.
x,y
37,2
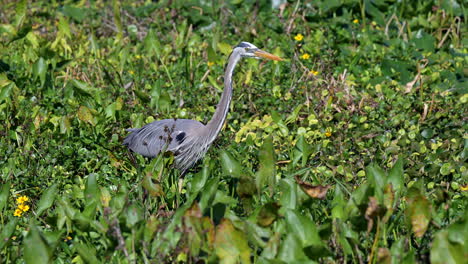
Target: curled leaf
x,y
314,191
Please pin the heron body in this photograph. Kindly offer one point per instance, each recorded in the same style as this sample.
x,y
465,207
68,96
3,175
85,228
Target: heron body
x,y
187,139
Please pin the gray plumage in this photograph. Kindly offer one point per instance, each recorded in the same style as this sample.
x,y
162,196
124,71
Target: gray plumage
x,y
189,140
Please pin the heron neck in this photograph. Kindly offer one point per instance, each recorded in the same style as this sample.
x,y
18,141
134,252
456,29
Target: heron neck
x,y
216,123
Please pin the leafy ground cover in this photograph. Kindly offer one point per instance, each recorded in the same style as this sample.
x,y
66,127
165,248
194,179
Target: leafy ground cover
x,y
352,150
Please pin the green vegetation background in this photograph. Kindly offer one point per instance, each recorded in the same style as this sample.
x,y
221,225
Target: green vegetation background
x,y
367,112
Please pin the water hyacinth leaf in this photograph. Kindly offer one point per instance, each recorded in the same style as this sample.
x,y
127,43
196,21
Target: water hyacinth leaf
x,y
291,250
266,175
47,199
395,177
377,177
92,192
134,214
230,245
208,193
230,165
303,228
419,212
87,253
35,247
445,252
199,180
39,70
7,232
288,190
4,193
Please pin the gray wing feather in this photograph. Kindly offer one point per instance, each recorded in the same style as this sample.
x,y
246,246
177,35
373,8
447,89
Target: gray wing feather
x,y
162,135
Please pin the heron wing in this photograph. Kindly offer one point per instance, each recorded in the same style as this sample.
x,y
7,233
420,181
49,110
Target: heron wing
x,y
162,135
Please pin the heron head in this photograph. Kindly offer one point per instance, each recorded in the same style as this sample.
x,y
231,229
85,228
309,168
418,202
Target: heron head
x,y
249,50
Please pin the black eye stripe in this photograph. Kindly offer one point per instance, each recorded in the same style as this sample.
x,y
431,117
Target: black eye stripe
x,y
243,45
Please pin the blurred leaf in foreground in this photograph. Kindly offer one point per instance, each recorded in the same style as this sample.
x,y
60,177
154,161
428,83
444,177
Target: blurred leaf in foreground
x,y
230,244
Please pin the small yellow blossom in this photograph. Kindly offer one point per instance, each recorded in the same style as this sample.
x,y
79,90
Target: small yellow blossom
x,y
22,199
299,37
137,57
314,73
464,188
68,238
13,237
131,72
305,56
210,63
328,134
355,21
23,207
18,213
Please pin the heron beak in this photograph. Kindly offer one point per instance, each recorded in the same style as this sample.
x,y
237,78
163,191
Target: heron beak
x,y
266,55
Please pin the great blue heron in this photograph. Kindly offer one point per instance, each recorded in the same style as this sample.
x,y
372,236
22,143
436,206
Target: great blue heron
x,y
188,139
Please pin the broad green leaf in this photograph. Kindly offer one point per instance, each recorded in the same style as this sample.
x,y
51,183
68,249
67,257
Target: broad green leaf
x,y
91,192
64,27
199,180
395,177
291,250
39,70
230,245
266,175
304,148
303,228
4,193
83,87
78,14
208,193
87,253
47,199
445,252
288,190
134,214
7,231
377,178
35,247
230,165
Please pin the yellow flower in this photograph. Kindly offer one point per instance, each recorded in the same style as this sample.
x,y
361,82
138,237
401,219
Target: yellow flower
x,y
299,37
328,134
23,207
355,21
305,56
22,199
314,73
131,72
138,57
210,63
18,213
464,188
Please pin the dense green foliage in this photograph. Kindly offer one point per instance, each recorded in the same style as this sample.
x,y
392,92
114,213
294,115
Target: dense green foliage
x,y
353,149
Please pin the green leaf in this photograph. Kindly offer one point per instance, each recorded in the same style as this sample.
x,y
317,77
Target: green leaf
x,y
377,178
395,177
288,191
39,70
208,193
303,228
268,214
199,180
291,250
134,215
230,165
4,193
35,247
224,48
47,199
20,13
87,253
230,245
266,175
445,252
76,13
7,231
